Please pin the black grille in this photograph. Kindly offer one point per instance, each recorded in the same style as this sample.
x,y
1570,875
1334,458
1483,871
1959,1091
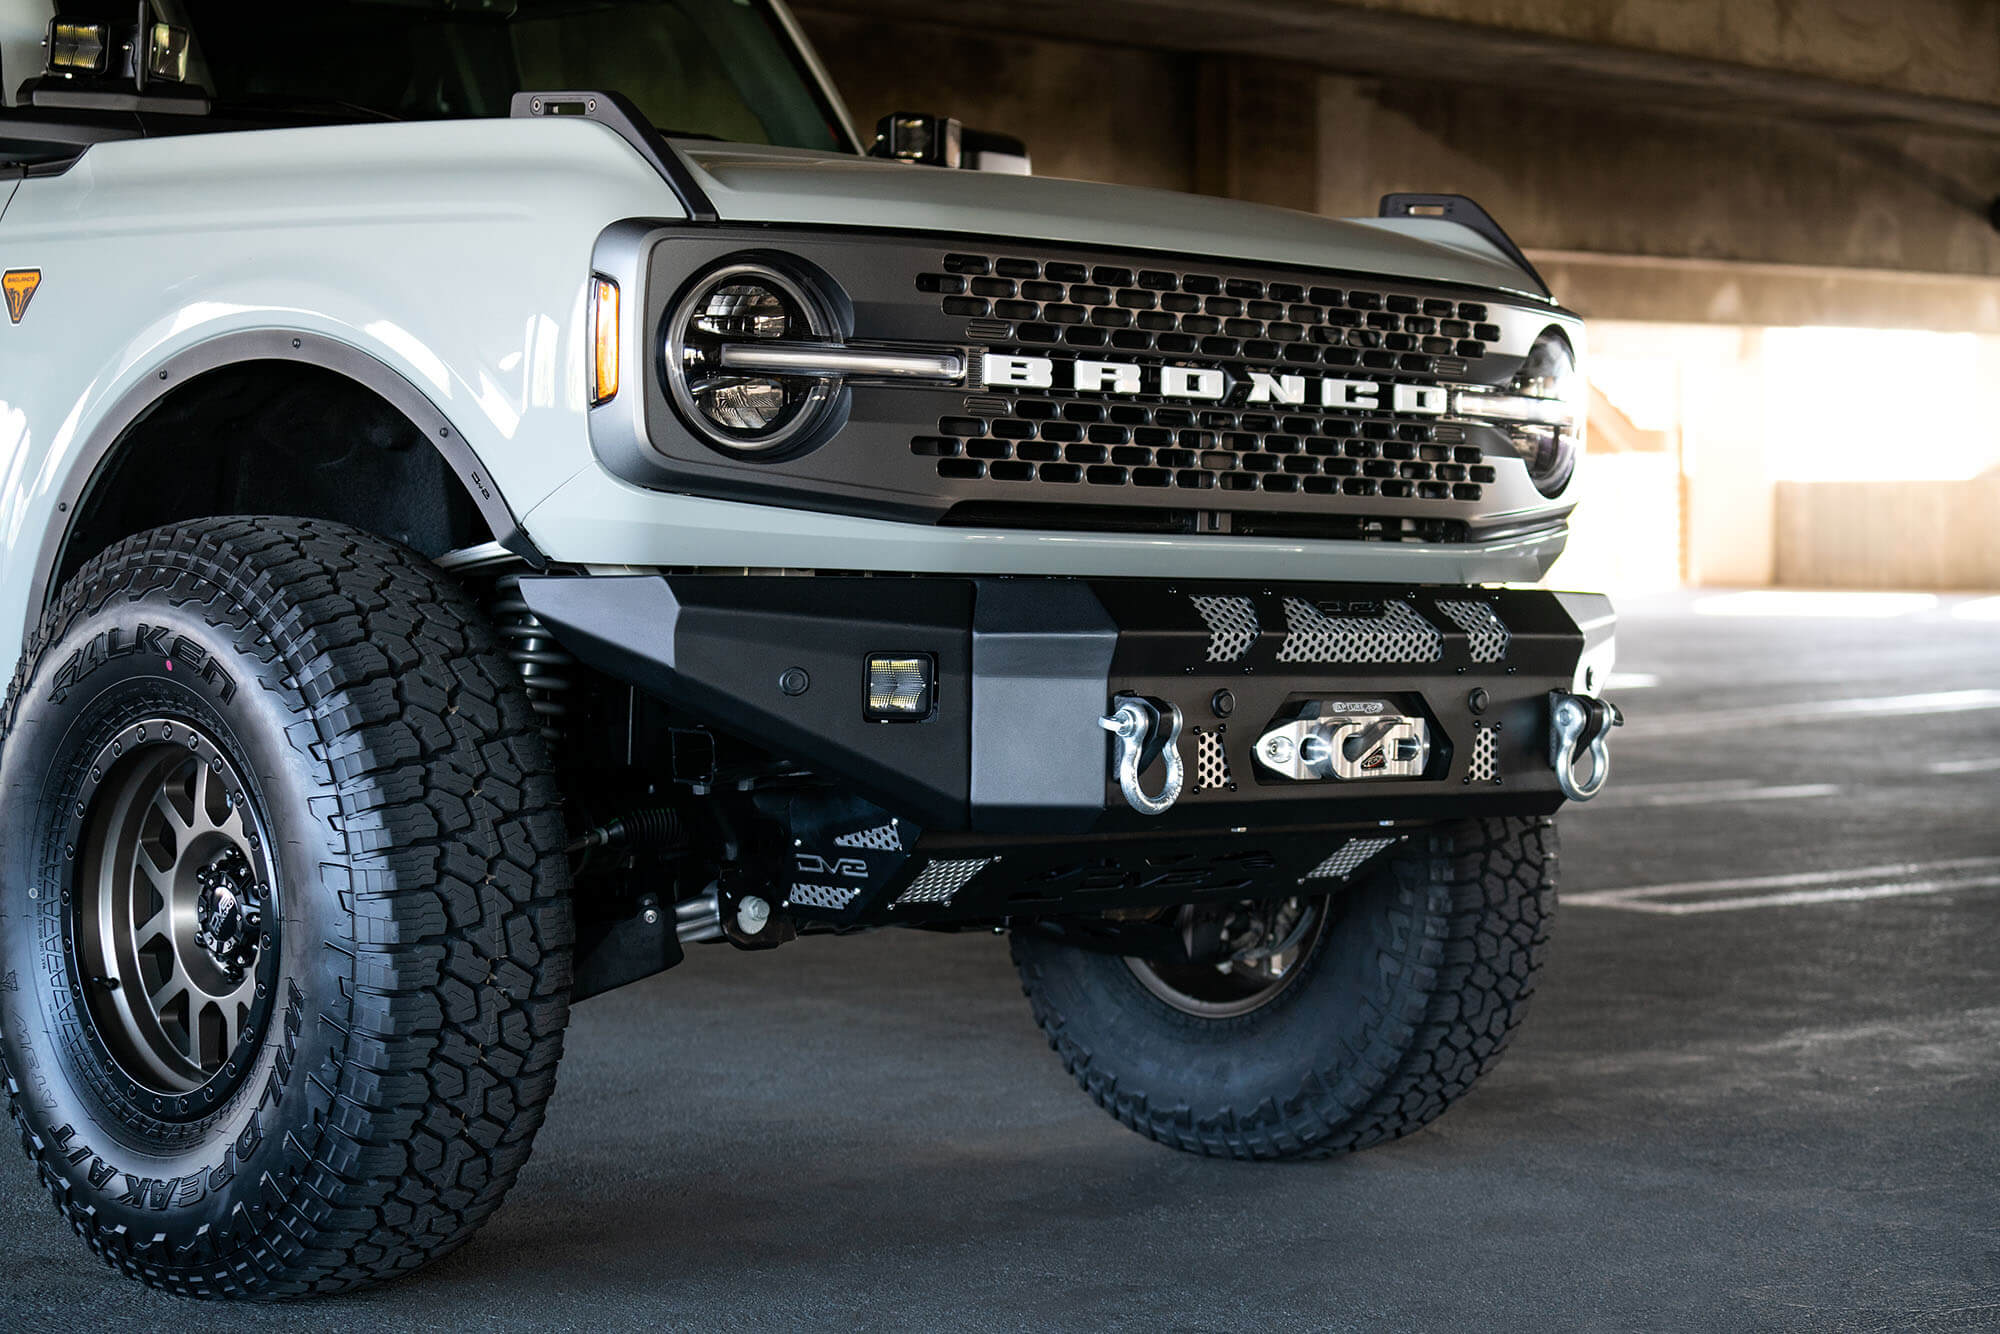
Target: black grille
x,y
1159,316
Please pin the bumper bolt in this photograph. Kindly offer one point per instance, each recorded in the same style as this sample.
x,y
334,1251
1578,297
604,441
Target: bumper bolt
x,y
751,915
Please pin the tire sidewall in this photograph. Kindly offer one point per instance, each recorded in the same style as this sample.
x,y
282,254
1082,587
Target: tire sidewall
x,y
177,648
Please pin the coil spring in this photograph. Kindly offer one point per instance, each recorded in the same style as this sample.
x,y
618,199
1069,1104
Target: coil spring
x,y
543,664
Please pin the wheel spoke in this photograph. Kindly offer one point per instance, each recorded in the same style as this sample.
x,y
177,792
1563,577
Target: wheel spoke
x,y
159,924
164,805
201,816
211,795
150,886
171,988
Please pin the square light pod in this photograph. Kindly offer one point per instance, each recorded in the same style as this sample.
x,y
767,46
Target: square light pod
x,y
902,687
167,51
79,48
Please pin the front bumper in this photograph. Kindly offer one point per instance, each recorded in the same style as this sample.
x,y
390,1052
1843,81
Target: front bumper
x,y
1014,762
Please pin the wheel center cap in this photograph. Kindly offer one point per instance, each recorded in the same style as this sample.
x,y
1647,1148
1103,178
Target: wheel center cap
x,y
227,917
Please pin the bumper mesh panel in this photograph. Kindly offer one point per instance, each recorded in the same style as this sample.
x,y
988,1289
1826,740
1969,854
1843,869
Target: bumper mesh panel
x,y
1485,756
1232,626
1483,626
1211,761
1395,634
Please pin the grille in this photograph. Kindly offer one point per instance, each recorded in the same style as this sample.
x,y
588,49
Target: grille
x,y
882,838
830,897
1164,316
1485,756
942,879
1394,633
1344,863
1232,626
1488,633
1211,761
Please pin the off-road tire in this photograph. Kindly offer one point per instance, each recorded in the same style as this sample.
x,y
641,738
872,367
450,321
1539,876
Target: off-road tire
x,y
420,969
1411,995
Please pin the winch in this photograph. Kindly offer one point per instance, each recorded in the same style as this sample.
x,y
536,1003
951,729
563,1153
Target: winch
x,y
1347,739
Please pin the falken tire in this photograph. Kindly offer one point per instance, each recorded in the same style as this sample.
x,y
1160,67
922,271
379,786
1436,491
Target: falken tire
x,y
1409,995
375,797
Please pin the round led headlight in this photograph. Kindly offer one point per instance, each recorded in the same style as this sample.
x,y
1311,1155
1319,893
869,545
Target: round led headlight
x,y
721,324
1555,401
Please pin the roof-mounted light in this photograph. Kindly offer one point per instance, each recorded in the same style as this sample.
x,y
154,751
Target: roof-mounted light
x,y
79,48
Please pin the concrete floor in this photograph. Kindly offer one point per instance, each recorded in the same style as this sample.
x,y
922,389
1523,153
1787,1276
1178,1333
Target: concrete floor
x,y
1721,1115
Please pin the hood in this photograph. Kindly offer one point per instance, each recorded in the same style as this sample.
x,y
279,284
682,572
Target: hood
x,y
781,185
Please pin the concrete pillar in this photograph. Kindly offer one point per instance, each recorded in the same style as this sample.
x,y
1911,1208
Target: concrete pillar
x,y
1730,494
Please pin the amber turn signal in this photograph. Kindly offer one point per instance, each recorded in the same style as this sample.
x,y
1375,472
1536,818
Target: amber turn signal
x,y
604,341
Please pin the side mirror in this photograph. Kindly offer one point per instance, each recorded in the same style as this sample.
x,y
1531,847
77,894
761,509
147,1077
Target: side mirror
x,y
940,141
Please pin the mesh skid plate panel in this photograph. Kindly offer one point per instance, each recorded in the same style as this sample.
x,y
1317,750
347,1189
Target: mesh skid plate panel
x,y
882,838
1343,863
942,879
831,897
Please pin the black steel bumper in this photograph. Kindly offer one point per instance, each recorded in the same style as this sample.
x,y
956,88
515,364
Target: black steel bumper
x,y
1013,763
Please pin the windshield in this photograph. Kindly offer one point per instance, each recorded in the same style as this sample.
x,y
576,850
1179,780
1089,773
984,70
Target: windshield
x,y
723,69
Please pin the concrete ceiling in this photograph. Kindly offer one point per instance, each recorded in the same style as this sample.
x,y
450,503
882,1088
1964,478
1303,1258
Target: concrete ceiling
x,y
1404,46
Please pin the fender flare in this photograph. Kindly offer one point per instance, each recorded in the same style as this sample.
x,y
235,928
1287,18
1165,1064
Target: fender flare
x,y
230,349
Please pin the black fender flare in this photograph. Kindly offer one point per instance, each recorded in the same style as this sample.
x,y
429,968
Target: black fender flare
x,y
96,450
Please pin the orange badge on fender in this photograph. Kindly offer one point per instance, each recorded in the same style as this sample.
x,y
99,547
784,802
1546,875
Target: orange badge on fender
x,y
20,285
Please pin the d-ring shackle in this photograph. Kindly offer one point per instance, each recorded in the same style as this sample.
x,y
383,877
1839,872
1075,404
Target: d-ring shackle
x,y
1144,728
1579,723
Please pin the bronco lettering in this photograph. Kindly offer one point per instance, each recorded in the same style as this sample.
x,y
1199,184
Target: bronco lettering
x,y
1210,384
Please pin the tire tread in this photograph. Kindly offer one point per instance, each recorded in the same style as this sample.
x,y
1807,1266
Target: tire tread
x,y
1467,936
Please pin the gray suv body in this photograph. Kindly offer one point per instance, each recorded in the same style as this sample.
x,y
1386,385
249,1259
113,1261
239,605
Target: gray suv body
x,y
496,495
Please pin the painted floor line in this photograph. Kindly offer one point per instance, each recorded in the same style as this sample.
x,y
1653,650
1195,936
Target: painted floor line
x,y
1685,785
1805,887
1698,794
1886,706
1981,766
1796,898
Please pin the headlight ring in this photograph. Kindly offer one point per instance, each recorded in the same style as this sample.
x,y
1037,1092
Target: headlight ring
x,y
1550,443
1543,411
756,415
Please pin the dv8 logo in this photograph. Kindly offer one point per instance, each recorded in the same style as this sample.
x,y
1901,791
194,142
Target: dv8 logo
x,y
811,863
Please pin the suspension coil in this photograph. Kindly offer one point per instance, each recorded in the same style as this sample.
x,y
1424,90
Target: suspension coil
x,y
542,662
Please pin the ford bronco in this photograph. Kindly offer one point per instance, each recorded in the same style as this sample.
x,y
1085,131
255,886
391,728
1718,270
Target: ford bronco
x,y
500,493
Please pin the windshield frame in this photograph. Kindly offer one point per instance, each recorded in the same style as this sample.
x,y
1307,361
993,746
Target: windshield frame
x,y
197,99
814,71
